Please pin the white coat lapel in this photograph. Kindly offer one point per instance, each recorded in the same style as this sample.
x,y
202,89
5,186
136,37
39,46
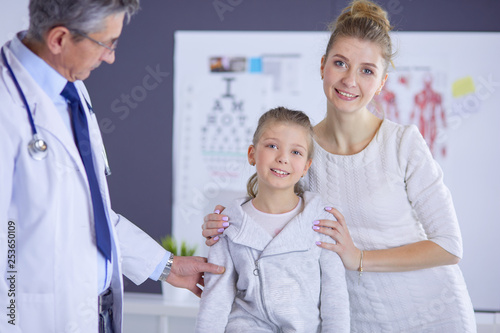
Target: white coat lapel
x,y
45,114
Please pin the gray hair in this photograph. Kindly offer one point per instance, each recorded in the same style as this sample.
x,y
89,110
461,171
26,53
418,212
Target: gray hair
x,y
86,16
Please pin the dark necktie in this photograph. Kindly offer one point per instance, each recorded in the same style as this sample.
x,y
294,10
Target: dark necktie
x,y
82,138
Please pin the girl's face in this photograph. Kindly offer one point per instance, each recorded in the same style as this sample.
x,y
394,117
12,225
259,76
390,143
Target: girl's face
x,y
280,156
353,71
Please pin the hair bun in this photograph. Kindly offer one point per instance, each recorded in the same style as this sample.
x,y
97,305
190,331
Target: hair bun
x,y
364,20
364,9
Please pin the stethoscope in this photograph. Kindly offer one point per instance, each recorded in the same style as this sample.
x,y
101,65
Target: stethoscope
x,y
37,147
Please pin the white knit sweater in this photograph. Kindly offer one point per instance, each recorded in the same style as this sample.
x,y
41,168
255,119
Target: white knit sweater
x,y
391,194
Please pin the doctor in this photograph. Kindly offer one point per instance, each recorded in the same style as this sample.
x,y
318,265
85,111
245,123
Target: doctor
x,y
63,249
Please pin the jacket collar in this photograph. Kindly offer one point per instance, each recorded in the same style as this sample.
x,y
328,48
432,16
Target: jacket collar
x,y
296,236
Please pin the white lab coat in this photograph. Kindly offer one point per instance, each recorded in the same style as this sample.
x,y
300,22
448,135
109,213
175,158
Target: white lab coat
x,y
49,202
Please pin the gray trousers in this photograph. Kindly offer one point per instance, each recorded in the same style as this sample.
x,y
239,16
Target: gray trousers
x,y
106,324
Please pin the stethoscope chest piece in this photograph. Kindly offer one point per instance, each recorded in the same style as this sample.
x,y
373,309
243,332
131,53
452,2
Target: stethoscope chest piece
x,y
37,148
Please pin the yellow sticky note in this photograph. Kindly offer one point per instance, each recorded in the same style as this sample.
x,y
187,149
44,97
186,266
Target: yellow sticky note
x,y
463,87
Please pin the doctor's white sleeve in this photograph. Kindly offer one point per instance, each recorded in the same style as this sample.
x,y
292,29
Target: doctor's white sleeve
x,y
140,253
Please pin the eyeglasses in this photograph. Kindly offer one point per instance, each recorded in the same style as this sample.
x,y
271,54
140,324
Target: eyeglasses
x,y
111,48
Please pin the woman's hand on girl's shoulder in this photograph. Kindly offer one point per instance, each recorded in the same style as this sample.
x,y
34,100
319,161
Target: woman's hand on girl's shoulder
x,y
338,231
214,224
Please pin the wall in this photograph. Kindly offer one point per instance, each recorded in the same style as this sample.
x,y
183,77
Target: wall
x,y
13,18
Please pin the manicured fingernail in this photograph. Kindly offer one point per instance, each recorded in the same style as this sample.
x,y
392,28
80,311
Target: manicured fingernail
x,y
316,227
318,243
225,218
328,208
225,224
316,222
216,238
217,211
220,230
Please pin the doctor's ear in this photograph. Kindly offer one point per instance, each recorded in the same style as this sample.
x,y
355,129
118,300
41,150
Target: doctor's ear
x,y
57,39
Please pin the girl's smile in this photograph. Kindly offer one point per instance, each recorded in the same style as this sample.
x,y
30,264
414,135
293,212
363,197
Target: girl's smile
x,y
280,173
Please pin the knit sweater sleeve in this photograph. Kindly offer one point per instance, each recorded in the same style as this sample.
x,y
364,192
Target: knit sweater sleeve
x,y
219,291
428,195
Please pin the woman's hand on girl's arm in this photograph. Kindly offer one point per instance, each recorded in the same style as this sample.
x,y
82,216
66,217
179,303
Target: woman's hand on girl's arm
x,y
414,256
214,225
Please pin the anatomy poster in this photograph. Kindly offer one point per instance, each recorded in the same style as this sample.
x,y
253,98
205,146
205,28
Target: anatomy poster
x,y
224,81
417,95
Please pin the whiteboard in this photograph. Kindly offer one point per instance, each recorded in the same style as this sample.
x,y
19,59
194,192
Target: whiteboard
x,y
223,81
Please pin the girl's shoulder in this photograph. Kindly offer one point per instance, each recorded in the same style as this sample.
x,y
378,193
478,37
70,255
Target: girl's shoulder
x,y
315,204
236,215
234,209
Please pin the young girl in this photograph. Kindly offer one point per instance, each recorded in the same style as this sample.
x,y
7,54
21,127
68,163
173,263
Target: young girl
x,y
276,279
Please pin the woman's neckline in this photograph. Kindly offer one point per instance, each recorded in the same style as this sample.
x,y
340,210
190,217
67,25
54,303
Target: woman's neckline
x,y
362,151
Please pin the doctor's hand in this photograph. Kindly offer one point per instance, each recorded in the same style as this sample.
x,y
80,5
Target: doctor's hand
x,y
187,272
214,225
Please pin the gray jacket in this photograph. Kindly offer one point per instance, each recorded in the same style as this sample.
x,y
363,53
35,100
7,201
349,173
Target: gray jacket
x,y
281,284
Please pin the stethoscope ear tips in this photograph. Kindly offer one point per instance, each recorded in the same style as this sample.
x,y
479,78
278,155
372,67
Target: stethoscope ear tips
x,y
37,148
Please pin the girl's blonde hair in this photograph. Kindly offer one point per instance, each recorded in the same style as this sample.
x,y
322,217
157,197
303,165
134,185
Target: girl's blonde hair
x,y
281,115
364,20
